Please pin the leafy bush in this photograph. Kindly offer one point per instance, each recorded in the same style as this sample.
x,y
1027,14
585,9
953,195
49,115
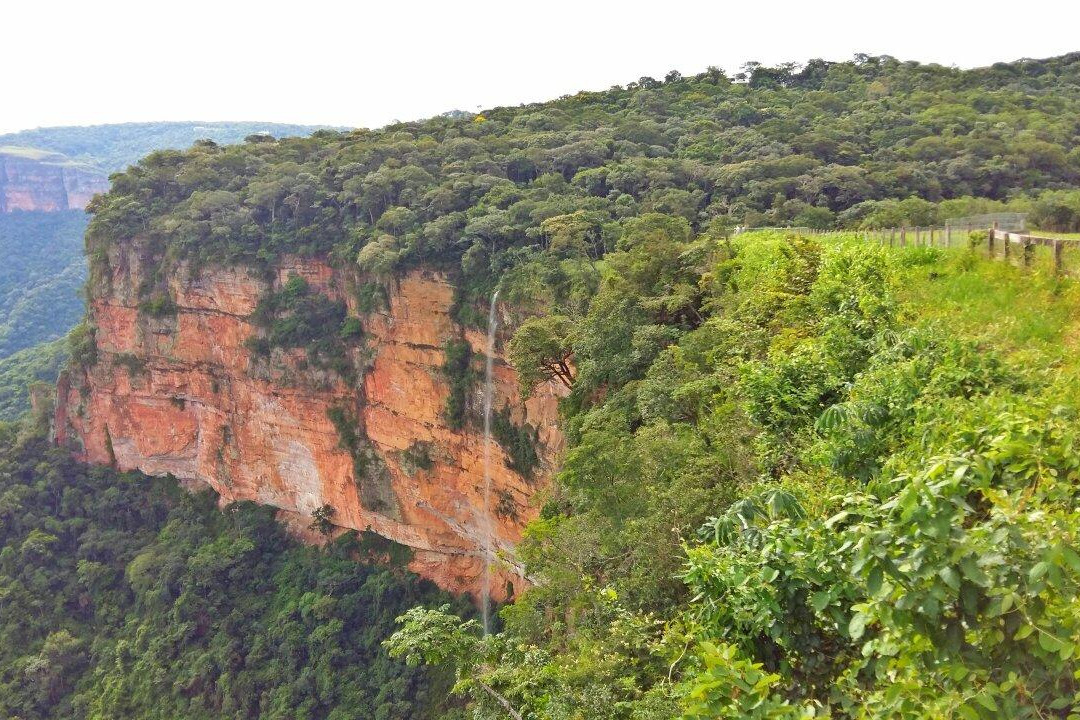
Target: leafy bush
x,y
519,441
158,305
461,376
950,585
297,317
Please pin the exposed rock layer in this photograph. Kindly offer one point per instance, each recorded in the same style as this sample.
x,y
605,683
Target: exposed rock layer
x,y
33,183
184,395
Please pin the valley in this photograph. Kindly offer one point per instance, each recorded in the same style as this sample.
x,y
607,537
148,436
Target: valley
x,y
638,364
47,178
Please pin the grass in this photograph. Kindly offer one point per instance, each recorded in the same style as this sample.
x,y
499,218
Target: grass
x,y
1028,315
43,156
1020,310
1051,234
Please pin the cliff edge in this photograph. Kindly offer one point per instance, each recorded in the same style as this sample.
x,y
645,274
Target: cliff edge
x,y
184,387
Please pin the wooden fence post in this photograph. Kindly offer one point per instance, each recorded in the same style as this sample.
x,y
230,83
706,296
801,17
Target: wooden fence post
x,y
990,243
1029,250
1008,247
903,236
1058,248
916,236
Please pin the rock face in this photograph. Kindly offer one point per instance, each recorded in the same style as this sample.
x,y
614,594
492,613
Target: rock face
x,y
41,181
183,394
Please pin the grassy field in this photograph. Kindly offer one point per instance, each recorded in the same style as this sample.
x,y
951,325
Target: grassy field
x,y
43,156
1030,316
1027,314
1051,234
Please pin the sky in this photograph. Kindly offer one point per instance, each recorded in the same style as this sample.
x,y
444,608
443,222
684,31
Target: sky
x,y
361,64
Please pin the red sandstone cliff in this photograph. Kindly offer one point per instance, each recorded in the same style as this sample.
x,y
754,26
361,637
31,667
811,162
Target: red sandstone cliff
x,y
184,395
35,180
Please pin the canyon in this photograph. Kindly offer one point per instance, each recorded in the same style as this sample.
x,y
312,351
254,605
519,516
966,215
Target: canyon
x,y
34,180
183,394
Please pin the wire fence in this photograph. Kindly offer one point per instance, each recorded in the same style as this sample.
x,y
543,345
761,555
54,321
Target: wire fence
x,y
1059,256
1008,221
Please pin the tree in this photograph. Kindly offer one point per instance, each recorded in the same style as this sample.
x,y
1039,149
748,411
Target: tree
x,y
541,350
322,519
438,637
576,235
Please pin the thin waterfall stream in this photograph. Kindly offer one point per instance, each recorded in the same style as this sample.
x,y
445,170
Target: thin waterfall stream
x,y
488,530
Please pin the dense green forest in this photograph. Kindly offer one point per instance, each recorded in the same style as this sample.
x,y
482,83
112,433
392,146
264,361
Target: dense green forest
x,y
830,143
805,476
123,596
40,279
23,369
40,299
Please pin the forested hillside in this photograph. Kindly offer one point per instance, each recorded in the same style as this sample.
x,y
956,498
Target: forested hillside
x,y
40,299
122,596
805,476
831,143
40,279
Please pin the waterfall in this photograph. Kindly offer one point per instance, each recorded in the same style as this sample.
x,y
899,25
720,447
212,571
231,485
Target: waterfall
x,y
489,529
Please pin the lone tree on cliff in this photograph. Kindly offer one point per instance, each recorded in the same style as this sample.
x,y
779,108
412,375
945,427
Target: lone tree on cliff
x,y
541,350
322,519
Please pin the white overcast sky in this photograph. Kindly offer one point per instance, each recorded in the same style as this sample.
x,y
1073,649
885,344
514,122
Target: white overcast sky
x,y
366,64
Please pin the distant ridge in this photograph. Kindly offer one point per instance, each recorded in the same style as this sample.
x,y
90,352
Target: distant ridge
x,y
113,147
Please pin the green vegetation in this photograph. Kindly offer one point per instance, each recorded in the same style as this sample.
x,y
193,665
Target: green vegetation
x,y
19,371
297,317
373,482
519,441
819,146
541,347
804,478
124,596
417,457
40,278
371,297
462,377
159,305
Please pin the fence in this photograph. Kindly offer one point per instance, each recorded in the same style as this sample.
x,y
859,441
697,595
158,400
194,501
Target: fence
x,y
943,236
786,228
1062,253
1011,221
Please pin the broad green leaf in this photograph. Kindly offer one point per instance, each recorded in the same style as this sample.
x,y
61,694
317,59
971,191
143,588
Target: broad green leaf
x,y
857,625
951,577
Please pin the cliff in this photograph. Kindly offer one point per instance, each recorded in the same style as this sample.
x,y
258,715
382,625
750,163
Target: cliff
x,y
184,392
37,180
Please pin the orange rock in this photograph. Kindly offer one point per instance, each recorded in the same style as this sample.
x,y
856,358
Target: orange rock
x,y
46,182
183,395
